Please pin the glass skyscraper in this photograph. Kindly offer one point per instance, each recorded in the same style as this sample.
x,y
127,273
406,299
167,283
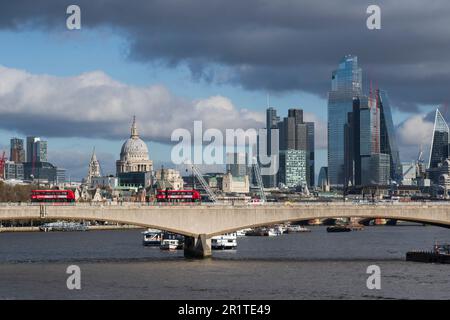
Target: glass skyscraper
x,y
388,139
270,181
439,144
346,83
364,163
36,150
17,150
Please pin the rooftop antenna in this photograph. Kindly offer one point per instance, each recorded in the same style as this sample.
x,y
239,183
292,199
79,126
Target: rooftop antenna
x,y
268,100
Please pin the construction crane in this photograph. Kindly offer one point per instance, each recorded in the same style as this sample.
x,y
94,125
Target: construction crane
x,y
417,166
202,181
259,183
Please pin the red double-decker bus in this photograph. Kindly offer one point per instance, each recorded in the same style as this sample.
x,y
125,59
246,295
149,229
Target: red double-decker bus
x,y
178,196
52,196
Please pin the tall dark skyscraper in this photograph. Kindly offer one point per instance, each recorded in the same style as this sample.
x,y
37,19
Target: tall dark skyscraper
x,y
17,151
295,134
296,146
270,181
346,83
36,150
364,164
388,139
440,144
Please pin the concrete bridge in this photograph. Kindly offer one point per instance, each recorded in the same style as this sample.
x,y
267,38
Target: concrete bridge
x,y
198,223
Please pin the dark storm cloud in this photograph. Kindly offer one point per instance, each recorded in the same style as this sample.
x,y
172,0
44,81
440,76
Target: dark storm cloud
x,y
274,45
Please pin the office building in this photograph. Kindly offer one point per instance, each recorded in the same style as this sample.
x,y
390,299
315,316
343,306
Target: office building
x,y
439,145
295,134
364,164
13,170
346,83
36,150
272,120
40,171
292,172
17,150
388,139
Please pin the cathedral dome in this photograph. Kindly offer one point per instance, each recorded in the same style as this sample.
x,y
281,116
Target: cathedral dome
x,y
134,148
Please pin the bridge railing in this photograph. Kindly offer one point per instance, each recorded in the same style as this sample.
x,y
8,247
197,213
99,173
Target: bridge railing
x,y
237,204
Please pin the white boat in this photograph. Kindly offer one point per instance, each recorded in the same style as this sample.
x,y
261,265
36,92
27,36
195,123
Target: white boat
x,y
295,228
241,233
151,238
272,232
169,244
63,226
224,242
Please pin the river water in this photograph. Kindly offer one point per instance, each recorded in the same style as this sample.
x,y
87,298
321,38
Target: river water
x,y
315,265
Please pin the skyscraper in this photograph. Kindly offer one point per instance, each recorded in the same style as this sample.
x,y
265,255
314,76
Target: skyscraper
x,y
293,168
364,164
270,181
17,151
36,150
297,150
346,83
388,139
310,147
439,144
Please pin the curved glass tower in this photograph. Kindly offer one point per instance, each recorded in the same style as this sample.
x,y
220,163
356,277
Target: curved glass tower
x,y
439,144
388,140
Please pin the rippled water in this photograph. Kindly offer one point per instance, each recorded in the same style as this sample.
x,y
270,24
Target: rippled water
x,y
316,265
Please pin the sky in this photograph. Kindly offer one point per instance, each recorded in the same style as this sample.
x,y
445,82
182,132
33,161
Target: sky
x,y
171,62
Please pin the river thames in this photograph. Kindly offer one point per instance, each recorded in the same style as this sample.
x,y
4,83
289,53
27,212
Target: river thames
x,y
315,265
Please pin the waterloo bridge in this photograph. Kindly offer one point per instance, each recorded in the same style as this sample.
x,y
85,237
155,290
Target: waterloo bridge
x,y
198,223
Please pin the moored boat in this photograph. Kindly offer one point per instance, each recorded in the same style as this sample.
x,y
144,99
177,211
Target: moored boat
x,y
338,228
226,241
439,254
169,244
151,238
297,228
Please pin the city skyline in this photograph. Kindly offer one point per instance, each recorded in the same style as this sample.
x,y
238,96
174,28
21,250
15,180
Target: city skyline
x,y
126,76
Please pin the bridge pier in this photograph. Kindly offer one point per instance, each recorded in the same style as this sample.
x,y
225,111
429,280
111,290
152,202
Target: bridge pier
x,y
199,247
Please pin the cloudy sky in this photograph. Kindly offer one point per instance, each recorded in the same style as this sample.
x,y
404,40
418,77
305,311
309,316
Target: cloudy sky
x,y
171,62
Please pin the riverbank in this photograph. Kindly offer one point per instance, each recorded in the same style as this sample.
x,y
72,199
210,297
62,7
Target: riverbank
x,y
90,228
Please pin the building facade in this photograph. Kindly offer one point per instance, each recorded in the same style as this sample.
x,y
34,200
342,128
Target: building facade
x,y
293,167
40,171
346,83
364,164
272,120
17,150
36,150
440,143
388,137
231,184
169,179
13,170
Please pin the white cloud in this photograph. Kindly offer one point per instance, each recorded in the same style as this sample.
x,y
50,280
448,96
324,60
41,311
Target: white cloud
x,y
96,106
415,131
414,134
